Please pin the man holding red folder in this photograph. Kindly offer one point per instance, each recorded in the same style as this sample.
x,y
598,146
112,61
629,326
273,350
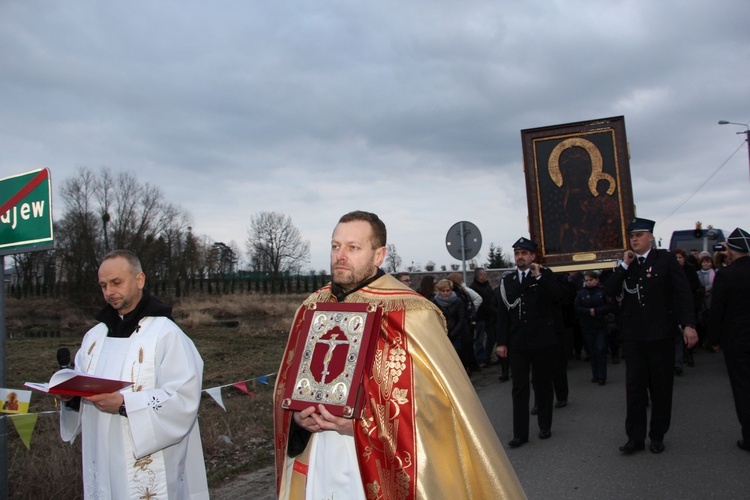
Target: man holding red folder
x,y
143,441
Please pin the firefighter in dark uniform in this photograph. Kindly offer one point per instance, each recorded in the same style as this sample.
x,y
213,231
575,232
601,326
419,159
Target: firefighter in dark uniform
x,y
527,300
729,325
657,303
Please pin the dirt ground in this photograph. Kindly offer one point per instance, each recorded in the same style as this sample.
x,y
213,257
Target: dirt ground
x,y
258,485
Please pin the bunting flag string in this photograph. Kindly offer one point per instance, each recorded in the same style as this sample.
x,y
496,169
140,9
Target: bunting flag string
x,y
243,387
215,392
24,423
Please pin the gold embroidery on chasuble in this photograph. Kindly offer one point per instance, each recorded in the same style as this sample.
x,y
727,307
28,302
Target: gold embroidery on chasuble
x,y
144,465
135,372
91,358
283,419
146,494
391,445
387,371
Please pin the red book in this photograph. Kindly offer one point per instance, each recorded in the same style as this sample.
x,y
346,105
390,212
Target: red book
x,y
333,354
72,383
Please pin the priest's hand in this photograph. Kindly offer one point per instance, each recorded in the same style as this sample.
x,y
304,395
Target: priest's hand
x,y
502,351
108,403
305,420
330,422
323,420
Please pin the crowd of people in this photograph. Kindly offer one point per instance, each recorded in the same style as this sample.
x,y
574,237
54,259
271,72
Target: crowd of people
x,y
144,442
654,307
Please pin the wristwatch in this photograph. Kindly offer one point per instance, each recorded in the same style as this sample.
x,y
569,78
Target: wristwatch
x,y
122,411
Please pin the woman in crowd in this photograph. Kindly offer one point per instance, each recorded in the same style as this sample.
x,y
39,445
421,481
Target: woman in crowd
x,y
472,300
592,304
454,311
706,279
721,259
682,353
427,287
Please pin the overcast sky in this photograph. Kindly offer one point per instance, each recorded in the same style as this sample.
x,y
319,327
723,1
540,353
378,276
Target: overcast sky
x,y
410,109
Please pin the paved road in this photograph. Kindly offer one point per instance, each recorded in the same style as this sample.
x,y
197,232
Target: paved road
x,y
582,459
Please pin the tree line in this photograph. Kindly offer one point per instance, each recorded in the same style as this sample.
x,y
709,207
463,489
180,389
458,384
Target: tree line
x,y
105,210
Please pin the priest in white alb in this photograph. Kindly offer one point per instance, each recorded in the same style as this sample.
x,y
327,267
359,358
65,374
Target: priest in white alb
x,y
142,442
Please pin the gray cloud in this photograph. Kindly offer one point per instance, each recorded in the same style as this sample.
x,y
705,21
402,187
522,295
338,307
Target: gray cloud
x,y
413,110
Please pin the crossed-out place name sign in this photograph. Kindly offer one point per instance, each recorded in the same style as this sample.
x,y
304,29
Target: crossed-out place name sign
x,y
26,212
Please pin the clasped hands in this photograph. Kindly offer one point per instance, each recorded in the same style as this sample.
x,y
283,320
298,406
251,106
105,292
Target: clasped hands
x,y
320,419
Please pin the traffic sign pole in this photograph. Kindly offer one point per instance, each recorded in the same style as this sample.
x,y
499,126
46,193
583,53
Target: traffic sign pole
x,y
4,419
463,242
25,226
463,249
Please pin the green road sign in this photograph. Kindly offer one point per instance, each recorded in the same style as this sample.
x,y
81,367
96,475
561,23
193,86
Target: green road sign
x,y
26,212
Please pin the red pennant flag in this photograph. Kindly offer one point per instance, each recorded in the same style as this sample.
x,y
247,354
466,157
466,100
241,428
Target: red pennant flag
x,y
243,387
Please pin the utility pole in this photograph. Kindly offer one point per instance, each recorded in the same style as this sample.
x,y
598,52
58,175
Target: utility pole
x,y
746,132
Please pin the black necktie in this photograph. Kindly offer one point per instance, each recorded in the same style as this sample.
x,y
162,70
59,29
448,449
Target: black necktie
x,y
641,260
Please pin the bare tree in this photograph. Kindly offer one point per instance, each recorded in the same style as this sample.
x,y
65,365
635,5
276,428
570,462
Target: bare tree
x,y
274,244
106,211
34,270
392,260
78,235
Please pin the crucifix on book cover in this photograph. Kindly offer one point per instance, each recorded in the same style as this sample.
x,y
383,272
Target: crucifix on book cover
x,y
332,358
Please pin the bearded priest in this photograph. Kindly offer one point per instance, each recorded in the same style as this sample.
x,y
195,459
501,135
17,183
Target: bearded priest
x,y
422,431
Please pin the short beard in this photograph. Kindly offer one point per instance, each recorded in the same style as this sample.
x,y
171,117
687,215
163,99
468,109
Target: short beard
x,y
354,278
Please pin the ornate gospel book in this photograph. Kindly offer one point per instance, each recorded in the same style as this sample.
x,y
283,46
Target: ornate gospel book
x,y
334,353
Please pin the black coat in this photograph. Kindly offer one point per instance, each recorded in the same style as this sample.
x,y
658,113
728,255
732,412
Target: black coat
x,y
729,321
488,308
656,297
455,318
531,323
593,298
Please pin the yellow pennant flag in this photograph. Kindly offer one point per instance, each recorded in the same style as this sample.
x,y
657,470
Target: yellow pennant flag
x,y
25,426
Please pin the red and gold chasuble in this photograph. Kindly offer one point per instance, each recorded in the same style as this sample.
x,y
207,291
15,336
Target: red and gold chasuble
x,y
423,432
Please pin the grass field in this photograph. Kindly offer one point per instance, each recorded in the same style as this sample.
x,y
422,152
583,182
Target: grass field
x,y
240,337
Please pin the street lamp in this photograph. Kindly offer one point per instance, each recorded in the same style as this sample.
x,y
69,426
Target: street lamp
x,y
746,132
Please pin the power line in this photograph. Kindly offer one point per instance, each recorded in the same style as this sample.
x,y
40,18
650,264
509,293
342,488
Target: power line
x,y
700,186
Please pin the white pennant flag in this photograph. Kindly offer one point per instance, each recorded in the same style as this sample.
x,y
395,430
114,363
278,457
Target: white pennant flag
x,y
215,392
